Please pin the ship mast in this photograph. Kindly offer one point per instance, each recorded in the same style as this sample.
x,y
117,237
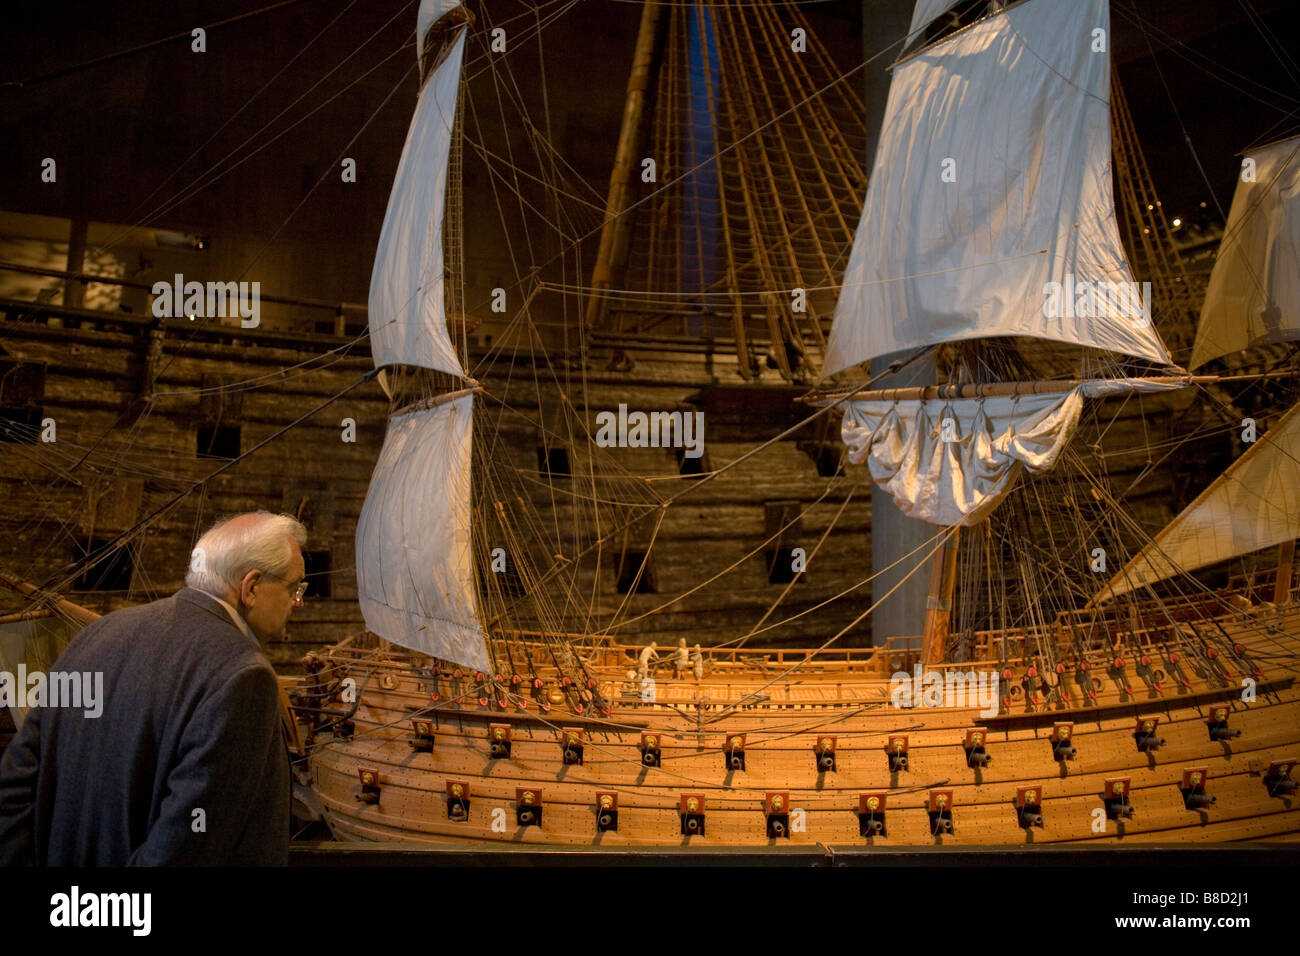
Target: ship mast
x,y
614,233
938,604
718,121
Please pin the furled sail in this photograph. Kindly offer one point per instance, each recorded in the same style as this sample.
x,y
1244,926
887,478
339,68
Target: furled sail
x,y
992,181
415,578
408,323
951,461
1254,292
431,11
1254,504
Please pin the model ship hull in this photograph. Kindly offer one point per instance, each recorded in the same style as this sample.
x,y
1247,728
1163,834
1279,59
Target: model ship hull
x,y
785,723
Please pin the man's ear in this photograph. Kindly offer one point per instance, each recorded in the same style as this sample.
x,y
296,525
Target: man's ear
x,y
248,587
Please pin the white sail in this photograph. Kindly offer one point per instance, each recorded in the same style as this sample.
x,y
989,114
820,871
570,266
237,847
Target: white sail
x,y
1254,504
1254,292
927,10
408,323
993,180
415,578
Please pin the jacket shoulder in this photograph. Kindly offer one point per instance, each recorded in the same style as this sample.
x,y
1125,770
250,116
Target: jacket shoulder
x,y
182,625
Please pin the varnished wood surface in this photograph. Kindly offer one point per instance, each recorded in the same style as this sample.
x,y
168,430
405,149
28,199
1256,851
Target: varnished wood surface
x,y
779,756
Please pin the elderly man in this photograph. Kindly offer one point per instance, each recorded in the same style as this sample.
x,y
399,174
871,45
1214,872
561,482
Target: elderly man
x,y
186,764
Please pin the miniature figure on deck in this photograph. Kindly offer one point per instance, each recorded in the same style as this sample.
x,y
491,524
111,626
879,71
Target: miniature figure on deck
x,y
647,660
681,659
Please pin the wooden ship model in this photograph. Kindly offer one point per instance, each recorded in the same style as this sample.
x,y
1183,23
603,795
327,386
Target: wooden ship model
x,y
1085,703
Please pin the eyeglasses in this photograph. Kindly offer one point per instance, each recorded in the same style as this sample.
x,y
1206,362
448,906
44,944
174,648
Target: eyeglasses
x,y
296,591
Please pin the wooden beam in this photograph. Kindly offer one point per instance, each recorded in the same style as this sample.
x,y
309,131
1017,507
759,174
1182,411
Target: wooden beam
x,y
75,612
74,291
1285,572
613,236
987,389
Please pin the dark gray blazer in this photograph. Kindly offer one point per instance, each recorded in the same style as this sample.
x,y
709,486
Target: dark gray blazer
x,y
190,722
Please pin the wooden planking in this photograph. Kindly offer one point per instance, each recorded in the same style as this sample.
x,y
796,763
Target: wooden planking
x,y
983,802
650,817
861,765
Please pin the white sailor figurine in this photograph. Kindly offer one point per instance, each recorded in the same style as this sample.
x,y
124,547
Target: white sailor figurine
x,y
681,659
647,660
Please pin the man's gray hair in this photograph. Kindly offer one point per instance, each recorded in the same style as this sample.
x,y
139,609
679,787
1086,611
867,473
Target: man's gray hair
x,y
226,552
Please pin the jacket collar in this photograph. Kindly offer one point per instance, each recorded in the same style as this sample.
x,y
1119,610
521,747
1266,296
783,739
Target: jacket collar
x,y
218,608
